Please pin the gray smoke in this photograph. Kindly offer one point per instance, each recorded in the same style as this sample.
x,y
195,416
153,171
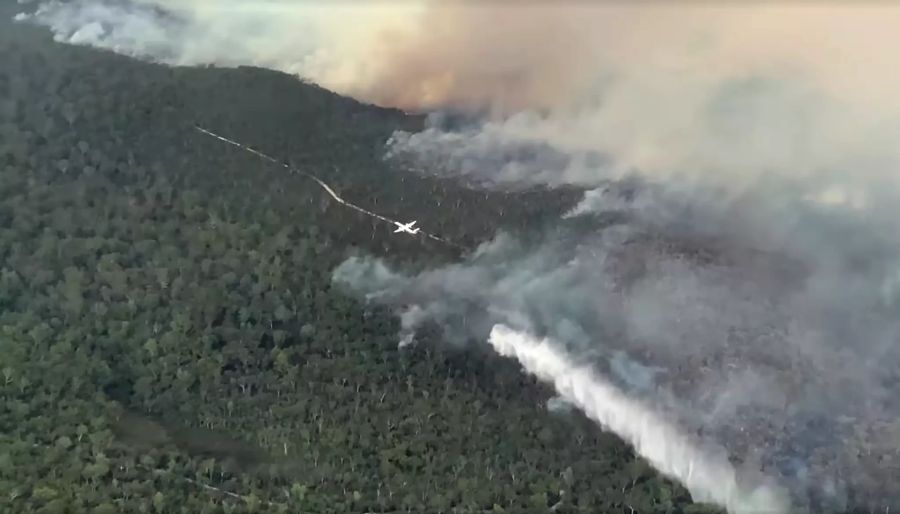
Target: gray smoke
x,y
768,329
734,266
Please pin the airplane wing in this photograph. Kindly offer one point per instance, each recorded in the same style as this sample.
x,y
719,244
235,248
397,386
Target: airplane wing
x,y
405,227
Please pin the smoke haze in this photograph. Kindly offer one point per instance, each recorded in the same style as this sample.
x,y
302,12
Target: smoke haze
x,y
776,344
734,267
699,87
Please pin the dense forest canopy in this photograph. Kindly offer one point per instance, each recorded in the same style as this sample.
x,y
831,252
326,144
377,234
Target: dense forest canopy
x,y
170,339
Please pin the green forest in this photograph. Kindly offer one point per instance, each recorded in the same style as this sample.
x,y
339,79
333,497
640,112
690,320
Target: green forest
x,y
170,338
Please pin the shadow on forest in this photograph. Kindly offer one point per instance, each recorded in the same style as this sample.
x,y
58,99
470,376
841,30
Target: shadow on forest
x,y
143,433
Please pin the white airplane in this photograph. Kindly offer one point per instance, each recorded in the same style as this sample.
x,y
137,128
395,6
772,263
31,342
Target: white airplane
x,y
406,227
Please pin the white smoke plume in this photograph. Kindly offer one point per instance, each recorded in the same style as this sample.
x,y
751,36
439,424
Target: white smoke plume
x,y
709,476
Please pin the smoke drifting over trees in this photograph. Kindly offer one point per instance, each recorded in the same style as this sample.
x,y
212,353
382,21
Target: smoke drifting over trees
x,y
726,90
735,263
775,344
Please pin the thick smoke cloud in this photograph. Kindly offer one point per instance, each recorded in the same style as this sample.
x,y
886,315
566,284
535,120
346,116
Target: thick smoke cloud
x,y
734,266
694,91
725,91
778,344
412,54
314,40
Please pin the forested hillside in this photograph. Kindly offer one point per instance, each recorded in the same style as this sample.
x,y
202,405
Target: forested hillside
x,y
170,340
